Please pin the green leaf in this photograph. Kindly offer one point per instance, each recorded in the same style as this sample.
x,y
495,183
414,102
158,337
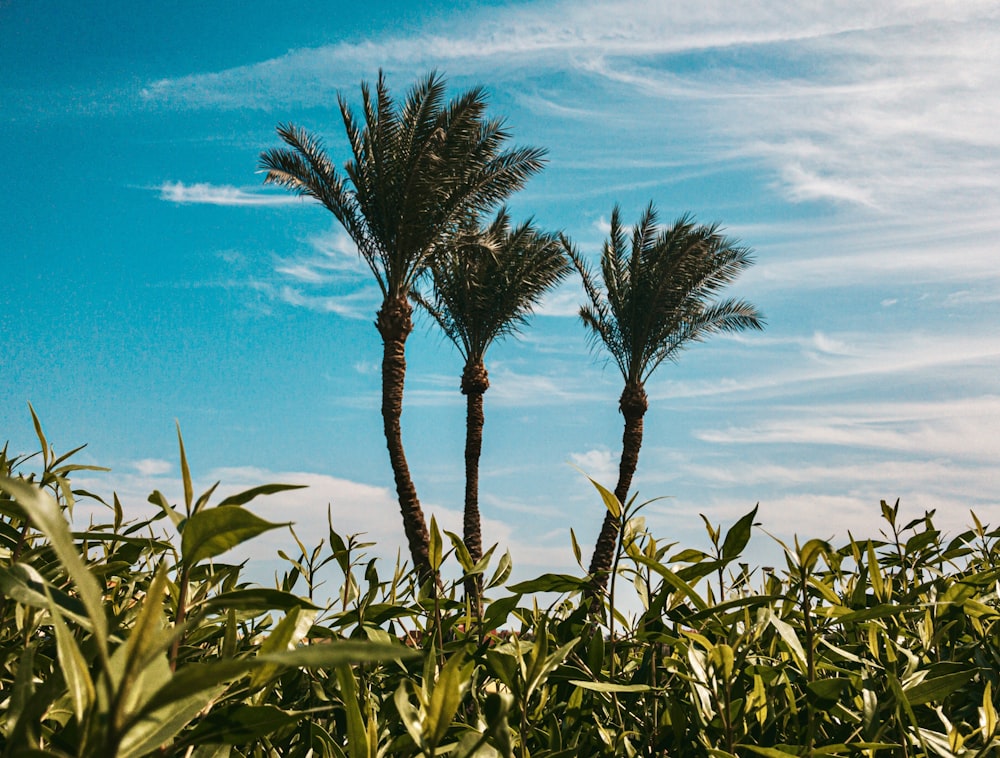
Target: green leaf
x,y
504,567
875,573
154,728
721,657
256,599
811,552
826,692
689,556
246,496
988,714
241,723
288,633
357,734
550,583
450,688
339,652
22,582
462,552
937,689
791,640
577,553
738,537
609,687
610,499
408,713
434,554
47,516
769,752
149,637
185,473
158,499
208,533
72,665
875,612
673,580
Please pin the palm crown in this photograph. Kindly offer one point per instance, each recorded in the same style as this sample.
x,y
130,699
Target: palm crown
x,y
417,170
486,284
656,294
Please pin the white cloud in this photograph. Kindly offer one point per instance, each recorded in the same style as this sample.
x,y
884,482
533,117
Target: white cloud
x,y
152,467
825,359
355,508
562,302
600,465
888,108
962,428
332,257
201,193
358,305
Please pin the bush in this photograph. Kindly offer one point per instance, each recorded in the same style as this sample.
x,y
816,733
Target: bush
x,y
130,638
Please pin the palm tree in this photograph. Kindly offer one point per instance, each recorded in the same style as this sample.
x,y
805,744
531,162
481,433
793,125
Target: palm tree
x,y
417,170
484,288
653,300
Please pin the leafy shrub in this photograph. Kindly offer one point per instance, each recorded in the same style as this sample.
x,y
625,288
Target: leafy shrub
x,y
132,638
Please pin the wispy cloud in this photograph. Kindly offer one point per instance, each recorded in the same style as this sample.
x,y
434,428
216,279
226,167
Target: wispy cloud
x,y
957,428
360,304
152,467
331,257
201,193
354,508
808,362
879,105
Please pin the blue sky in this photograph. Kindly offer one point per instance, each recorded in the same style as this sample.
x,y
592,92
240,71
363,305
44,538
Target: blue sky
x,y
150,277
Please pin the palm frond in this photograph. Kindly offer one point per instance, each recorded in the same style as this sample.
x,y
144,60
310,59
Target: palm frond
x,y
656,292
486,283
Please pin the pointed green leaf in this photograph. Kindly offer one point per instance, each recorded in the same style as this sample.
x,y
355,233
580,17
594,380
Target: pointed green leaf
x,y
157,498
240,723
550,583
450,688
185,473
285,636
609,687
246,496
875,573
577,553
610,499
738,537
72,665
22,583
787,634
938,688
211,532
435,549
357,733
461,552
255,599
47,516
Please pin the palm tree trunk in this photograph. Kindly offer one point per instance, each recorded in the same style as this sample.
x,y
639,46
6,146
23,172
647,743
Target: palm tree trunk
x,y
394,323
633,404
475,382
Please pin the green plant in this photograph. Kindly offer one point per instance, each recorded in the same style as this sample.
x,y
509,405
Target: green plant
x,y
879,647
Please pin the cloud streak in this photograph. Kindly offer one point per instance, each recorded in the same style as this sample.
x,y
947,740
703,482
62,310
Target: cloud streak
x,y
201,193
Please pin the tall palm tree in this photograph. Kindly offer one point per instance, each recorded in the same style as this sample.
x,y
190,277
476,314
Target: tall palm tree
x,y
655,297
417,169
485,286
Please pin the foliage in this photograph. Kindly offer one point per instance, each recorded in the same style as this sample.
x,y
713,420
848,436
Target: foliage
x,y
132,638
